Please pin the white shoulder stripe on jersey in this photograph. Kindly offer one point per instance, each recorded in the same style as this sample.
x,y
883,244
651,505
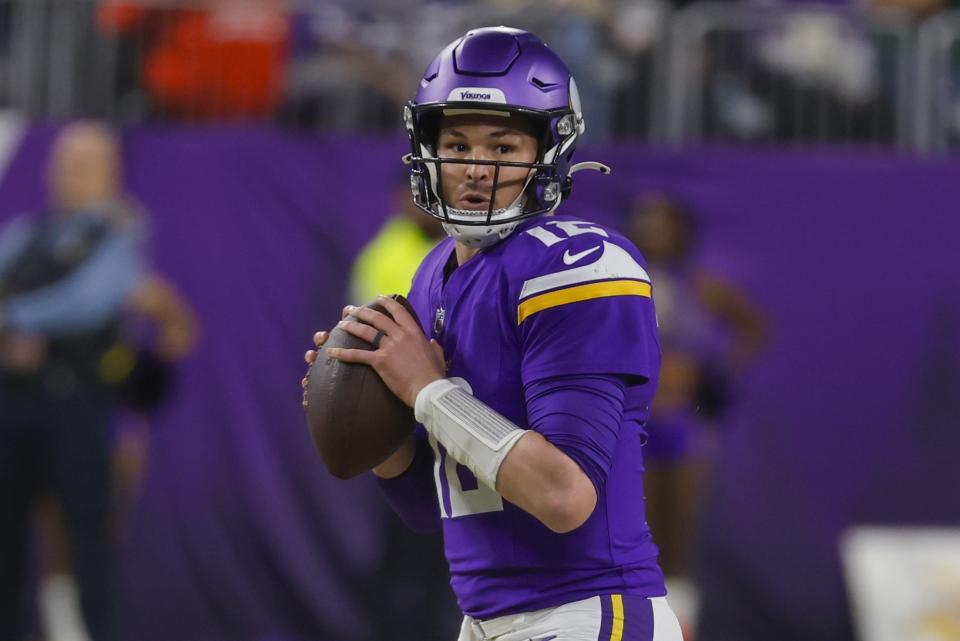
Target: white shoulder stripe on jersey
x,y
615,262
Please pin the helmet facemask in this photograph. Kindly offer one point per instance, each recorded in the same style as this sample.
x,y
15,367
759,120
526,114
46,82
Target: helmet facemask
x,y
546,183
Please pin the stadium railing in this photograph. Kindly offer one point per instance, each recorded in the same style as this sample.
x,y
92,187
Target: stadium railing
x,y
710,73
789,74
937,116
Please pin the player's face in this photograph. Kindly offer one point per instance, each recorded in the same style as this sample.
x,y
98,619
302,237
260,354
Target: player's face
x,y
468,186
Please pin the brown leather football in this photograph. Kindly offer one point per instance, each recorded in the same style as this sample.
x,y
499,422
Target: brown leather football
x,y
355,421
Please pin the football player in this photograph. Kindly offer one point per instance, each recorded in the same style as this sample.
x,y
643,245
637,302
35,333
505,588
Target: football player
x,y
533,373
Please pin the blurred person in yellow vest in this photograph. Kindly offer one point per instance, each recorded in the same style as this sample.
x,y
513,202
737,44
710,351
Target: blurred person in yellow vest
x,y
387,263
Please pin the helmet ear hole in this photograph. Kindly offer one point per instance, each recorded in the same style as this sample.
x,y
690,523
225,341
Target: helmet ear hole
x,y
428,125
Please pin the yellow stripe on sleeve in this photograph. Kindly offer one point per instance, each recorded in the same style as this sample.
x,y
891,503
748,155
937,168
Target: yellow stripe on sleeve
x,y
589,291
616,633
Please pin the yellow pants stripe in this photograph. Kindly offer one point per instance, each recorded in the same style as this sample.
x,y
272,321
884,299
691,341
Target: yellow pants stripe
x,y
590,291
616,633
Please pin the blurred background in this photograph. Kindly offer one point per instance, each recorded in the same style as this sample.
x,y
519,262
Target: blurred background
x,y
188,190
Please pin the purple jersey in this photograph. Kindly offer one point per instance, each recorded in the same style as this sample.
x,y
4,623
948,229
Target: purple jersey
x,y
558,297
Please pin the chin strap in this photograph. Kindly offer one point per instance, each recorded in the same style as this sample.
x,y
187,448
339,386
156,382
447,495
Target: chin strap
x,y
589,164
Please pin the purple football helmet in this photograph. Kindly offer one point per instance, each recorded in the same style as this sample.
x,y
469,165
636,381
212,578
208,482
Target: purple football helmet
x,y
497,71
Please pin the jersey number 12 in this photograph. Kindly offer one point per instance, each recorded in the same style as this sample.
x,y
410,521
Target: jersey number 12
x,y
458,490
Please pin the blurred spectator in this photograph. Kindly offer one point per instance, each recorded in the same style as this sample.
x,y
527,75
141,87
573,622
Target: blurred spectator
x,y
638,31
324,62
341,51
809,74
66,278
387,263
709,331
220,59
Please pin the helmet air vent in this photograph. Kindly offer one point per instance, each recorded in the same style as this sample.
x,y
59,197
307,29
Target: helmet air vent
x,y
491,54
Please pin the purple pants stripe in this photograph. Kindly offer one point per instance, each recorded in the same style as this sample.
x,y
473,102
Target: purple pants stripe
x,y
637,622
637,618
606,617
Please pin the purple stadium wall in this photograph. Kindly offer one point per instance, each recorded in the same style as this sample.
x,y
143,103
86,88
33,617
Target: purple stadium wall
x,y
851,415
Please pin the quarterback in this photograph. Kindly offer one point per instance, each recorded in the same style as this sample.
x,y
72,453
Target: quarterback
x,y
534,368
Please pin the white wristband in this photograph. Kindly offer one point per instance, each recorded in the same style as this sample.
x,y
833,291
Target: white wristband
x,y
473,433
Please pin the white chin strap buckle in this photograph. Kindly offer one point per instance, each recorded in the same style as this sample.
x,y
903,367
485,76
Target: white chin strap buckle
x,y
590,164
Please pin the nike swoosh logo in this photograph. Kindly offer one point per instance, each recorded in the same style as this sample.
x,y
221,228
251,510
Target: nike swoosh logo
x,y
569,259
545,638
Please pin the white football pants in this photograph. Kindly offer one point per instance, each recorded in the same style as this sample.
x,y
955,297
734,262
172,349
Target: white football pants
x,y
609,617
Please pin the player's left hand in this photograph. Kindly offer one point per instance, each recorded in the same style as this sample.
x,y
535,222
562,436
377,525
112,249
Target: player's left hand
x,y
405,360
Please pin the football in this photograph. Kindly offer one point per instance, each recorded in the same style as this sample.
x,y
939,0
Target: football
x,y
354,419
